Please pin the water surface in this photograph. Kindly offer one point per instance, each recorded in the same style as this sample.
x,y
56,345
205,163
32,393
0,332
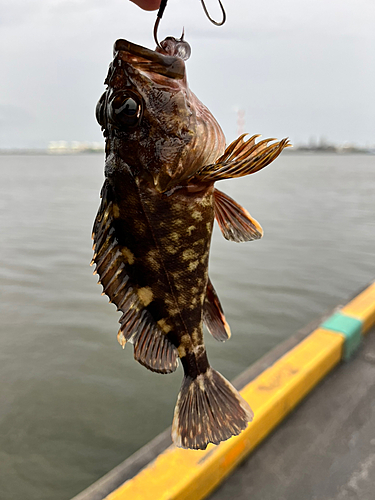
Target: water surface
x,y
73,404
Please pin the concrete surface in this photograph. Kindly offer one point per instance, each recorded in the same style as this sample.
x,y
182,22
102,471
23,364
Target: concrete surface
x,y
325,450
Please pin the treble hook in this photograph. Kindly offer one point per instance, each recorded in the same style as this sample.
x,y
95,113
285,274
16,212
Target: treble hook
x,y
210,18
161,10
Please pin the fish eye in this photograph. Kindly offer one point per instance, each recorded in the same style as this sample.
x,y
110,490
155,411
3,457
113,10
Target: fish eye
x,y
125,109
99,112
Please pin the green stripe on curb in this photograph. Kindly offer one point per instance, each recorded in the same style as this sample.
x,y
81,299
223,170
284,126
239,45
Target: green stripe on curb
x,y
350,328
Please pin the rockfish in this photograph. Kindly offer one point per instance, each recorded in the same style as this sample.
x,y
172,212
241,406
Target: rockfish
x,y
164,153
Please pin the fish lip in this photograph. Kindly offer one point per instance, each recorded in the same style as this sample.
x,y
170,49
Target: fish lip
x,y
170,66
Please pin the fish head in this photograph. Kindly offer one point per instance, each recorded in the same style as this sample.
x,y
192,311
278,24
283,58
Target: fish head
x,y
151,119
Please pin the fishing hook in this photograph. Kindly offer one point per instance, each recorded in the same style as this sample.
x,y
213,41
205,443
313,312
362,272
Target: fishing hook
x,y
210,18
161,10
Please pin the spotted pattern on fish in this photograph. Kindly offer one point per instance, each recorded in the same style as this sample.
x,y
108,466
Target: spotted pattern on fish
x,y
157,273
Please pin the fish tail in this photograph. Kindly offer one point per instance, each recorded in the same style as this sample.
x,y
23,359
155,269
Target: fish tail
x,y
208,410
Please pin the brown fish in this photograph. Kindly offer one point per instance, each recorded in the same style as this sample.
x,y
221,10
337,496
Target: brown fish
x,y
152,233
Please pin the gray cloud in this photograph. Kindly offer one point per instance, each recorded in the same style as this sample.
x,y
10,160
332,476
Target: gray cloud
x,y
297,68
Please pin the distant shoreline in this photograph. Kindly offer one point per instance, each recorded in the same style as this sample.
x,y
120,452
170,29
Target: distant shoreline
x,y
334,151
296,150
46,152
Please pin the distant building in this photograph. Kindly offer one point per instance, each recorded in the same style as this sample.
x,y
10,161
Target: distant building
x,y
64,147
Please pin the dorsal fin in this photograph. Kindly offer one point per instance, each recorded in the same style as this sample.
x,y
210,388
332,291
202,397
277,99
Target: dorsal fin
x,y
235,222
213,315
152,347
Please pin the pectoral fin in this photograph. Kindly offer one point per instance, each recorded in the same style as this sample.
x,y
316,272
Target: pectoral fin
x,y
235,222
213,315
152,347
242,158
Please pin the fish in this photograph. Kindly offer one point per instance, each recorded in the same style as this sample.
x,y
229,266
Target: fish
x,y
164,152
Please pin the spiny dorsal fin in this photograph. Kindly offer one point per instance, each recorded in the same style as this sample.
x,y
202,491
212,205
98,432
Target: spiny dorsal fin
x,y
242,158
235,222
151,347
213,315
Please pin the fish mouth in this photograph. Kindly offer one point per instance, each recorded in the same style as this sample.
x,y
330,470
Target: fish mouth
x,y
150,60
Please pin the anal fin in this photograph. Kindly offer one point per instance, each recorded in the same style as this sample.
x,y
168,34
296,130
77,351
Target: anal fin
x,y
235,222
213,315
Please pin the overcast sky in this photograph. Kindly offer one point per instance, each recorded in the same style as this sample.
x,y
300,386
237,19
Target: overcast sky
x,y
299,68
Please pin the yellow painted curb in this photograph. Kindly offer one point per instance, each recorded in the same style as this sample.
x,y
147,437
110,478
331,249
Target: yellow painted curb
x,y
180,474
362,307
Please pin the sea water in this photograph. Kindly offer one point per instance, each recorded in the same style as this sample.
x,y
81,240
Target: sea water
x,y
73,404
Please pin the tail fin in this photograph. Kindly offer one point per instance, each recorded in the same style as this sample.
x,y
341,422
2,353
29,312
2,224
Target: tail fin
x,y
208,410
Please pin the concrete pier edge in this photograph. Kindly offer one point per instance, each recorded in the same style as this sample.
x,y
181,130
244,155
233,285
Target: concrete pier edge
x,y
273,386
